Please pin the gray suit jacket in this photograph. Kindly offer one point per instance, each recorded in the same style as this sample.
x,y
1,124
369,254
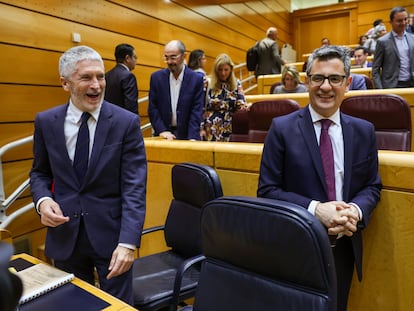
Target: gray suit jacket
x,y
270,61
386,65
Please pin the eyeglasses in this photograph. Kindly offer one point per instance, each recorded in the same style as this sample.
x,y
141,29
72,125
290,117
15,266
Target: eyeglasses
x,y
318,80
172,57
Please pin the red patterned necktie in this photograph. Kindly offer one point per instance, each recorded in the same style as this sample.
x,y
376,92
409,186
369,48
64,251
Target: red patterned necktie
x,y
325,148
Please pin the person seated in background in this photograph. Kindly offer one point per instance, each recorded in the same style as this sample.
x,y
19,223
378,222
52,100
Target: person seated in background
x,y
358,82
362,39
325,42
290,82
371,43
224,97
360,55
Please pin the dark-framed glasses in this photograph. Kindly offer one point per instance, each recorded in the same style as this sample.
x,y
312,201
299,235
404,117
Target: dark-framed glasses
x,y
318,80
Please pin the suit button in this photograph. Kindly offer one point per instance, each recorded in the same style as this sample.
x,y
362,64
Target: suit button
x,y
75,215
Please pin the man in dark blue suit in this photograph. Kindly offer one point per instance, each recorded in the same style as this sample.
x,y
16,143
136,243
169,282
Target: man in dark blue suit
x,y
121,84
95,220
292,168
176,97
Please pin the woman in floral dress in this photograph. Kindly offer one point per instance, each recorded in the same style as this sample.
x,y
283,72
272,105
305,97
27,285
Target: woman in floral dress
x,y
224,97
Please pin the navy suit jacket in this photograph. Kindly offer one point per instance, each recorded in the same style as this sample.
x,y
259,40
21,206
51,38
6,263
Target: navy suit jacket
x,y
189,107
113,193
386,64
358,82
291,167
121,88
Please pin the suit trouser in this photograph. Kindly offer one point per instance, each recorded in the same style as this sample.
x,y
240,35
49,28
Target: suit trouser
x,y
83,262
344,265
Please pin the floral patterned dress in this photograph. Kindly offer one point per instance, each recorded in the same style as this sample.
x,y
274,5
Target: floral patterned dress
x,y
218,112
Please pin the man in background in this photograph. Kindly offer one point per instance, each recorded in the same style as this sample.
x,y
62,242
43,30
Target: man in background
x,y
270,61
88,178
393,65
326,162
360,55
176,97
121,84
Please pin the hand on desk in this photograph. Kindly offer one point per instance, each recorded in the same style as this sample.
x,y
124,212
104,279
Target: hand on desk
x,y
121,261
339,217
50,214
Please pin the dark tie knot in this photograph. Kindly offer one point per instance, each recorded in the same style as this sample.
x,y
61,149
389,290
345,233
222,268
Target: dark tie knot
x,y
85,117
325,123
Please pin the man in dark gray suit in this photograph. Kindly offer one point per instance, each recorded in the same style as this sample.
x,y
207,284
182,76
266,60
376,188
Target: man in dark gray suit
x,y
270,61
121,84
393,64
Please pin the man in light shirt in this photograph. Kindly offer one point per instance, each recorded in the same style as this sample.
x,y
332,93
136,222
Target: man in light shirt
x,y
94,216
176,97
292,168
393,64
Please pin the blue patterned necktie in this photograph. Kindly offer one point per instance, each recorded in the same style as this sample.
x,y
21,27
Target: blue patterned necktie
x,y
80,161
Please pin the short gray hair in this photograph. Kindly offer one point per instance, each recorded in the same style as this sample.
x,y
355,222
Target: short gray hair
x,y
329,52
69,59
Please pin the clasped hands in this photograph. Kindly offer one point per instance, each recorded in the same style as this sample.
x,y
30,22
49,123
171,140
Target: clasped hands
x,y
339,217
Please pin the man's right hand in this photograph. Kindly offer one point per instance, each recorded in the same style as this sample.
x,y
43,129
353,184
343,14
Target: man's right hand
x,y
167,135
50,214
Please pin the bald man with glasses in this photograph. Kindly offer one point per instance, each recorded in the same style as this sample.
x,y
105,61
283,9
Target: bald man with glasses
x,y
326,162
176,97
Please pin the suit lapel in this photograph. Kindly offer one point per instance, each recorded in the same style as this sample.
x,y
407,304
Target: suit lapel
x,y
308,132
58,131
348,134
102,129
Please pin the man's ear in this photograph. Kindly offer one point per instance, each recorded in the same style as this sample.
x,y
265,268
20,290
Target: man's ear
x,y
348,84
65,84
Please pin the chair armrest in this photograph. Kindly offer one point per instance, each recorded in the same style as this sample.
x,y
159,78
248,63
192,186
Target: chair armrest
x,y
153,229
179,276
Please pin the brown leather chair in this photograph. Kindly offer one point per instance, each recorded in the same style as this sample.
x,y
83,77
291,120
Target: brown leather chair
x,y
368,82
240,126
390,115
273,86
262,113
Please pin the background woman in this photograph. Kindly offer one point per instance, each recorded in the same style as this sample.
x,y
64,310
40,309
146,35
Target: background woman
x,y
290,82
197,61
224,97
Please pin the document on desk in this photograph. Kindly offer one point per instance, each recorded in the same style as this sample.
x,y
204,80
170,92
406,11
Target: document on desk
x,y
40,279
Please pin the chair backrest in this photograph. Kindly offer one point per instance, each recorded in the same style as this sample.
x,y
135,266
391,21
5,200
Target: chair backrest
x,y
10,284
390,115
368,82
240,126
266,255
193,185
262,113
273,86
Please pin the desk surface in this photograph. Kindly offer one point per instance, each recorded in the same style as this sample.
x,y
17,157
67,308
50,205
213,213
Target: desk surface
x,y
114,303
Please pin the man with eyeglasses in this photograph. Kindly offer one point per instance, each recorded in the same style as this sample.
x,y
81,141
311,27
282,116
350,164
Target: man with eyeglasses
x,y
326,162
121,84
393,65
176,97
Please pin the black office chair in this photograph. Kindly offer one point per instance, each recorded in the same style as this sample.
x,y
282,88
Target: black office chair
x,y
153,276
265,255
10,285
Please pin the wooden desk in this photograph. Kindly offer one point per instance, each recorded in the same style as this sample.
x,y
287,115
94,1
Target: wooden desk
x,y
114,303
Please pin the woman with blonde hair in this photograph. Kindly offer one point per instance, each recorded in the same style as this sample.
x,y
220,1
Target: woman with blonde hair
x,y
224,97
290,82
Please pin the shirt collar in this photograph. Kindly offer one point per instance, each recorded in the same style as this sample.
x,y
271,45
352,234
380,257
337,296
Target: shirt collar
x,y
395,35
76,113
316,117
